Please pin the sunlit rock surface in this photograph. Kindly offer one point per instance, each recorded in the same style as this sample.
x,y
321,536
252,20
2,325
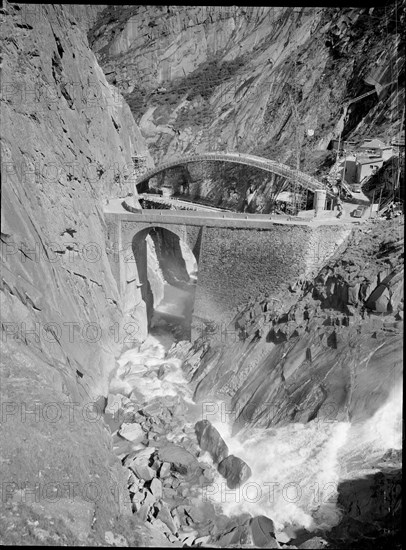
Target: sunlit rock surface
x,y
223,78
68,139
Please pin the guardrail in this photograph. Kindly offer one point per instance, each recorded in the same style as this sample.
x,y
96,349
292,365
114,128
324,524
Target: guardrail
x,y
203,218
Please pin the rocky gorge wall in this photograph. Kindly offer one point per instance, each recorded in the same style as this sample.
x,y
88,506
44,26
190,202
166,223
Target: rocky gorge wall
x,y
231,77
329,321
67,143
62,153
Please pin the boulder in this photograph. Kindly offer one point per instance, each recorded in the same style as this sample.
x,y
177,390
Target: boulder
x,y
156,488
379,299
142,471
314,543
165,470
132,432
263,532
210,440
163,369
145,507
161,525
235,470
239,536
233,531
353,293
182,461
138,462
164,515
141,456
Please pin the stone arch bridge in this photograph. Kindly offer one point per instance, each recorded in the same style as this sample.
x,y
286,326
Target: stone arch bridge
x,y
239,255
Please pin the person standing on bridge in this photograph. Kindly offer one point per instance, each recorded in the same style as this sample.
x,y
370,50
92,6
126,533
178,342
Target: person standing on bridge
x,y
248,197
339,207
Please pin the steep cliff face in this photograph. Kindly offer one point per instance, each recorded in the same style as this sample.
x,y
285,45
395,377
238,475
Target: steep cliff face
x,y
68,142
260,80
296,357
68,139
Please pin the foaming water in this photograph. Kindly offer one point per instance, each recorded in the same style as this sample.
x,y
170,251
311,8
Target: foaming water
x,y
384,429
369,440
294,474
296,468
139,368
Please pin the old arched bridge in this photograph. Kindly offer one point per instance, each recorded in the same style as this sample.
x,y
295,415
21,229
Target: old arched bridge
x,y
238,255
303,180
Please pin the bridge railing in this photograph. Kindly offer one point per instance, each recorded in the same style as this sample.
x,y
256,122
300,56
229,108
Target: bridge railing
x,y
185,216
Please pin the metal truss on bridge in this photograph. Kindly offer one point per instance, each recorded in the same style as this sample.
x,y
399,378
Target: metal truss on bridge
x,y
296,176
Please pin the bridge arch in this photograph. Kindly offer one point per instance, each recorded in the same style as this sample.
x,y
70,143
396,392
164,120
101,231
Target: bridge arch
x,y
167,271
302,179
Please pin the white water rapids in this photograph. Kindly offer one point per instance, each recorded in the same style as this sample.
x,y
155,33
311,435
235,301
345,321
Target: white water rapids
x,y
295,468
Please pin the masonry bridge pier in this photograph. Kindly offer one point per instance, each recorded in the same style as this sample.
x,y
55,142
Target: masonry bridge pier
x,y
239,255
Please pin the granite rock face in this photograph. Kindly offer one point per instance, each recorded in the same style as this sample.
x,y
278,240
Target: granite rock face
x,y
204,78
68,142
68,139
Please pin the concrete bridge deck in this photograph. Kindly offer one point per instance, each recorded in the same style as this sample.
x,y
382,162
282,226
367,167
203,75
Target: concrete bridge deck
x,y
178,203
229,219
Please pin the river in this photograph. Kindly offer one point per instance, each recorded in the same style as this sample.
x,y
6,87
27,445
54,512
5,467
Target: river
x,y
295,468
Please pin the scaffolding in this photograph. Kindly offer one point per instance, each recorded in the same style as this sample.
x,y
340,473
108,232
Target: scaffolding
x,y
300,195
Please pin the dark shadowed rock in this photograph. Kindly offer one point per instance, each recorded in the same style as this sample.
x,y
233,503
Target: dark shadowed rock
x,y
314,543
232,531
372,506
262,530
235,470
210,440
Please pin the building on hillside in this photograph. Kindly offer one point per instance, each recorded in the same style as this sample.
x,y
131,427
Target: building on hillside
x,y
365,166
377,148
350,167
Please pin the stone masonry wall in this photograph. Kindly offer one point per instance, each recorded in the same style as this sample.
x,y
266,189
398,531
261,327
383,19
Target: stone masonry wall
x,y
236,264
